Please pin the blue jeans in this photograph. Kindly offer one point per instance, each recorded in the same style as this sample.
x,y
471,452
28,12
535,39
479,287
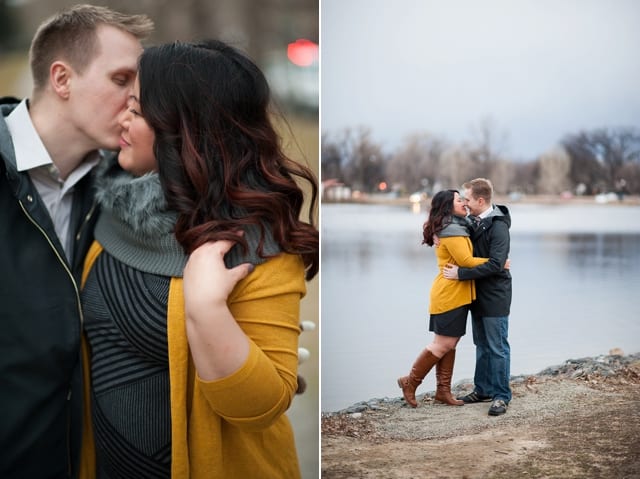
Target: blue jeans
x,y
493,356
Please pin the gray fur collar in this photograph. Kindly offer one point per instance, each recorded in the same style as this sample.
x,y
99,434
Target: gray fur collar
x,y
136,227
138,202
457,227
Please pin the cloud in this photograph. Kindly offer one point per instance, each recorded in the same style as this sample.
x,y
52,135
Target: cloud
x,y
540,69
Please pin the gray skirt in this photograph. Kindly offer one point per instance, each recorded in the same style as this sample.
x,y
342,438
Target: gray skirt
x,y
450,323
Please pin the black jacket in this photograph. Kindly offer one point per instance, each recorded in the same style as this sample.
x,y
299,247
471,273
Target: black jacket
x,y
41,322
493,283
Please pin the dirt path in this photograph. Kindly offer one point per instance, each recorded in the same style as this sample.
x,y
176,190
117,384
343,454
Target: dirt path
x,y
555,428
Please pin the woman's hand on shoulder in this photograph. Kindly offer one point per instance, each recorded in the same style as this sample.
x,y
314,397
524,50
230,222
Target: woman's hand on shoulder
x,y
207,280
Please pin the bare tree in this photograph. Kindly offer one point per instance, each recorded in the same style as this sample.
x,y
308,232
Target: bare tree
x,y
367,164
555,166
456,167
599,157
362,161
501,172
331,160
525,176
629,178
488,143
415,165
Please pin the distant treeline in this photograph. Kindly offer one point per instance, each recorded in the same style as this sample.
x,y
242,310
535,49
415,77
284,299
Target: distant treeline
x,y
587,162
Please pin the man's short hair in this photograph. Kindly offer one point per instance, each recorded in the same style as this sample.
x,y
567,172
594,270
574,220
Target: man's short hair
x,y
480,188
70,35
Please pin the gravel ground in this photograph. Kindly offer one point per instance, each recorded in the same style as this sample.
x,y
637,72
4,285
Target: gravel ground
x,y
577,420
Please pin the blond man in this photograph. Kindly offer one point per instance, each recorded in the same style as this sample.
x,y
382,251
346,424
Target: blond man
x,y
83,63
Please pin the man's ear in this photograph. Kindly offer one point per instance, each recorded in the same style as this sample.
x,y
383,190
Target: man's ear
x,y
60,75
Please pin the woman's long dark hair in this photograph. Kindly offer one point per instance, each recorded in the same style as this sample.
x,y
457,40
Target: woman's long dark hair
x,y
220,161
439,215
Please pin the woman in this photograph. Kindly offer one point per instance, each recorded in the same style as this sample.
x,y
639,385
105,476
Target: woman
x,y
196,385
449,300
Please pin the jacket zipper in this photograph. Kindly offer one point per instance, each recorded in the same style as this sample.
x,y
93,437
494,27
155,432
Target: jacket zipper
x,y
75,287
86,220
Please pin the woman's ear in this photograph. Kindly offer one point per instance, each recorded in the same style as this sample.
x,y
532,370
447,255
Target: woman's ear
x,y
60,75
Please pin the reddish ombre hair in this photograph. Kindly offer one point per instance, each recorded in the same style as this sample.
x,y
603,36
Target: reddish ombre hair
x,y
219,157
439,215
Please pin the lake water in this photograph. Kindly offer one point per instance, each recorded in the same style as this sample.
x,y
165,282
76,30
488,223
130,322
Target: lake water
x,y
576,293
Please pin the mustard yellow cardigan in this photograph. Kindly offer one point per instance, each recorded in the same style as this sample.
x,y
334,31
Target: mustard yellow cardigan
x,y
449,294
234,427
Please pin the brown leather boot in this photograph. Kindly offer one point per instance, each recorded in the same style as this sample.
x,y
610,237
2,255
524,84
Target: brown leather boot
x,y
444,372
419,370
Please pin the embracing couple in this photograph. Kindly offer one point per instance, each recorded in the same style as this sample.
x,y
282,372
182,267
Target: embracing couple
x,y
471,236
154,257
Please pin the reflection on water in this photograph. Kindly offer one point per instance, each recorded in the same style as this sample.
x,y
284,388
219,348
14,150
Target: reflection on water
x,y
603,253
574,295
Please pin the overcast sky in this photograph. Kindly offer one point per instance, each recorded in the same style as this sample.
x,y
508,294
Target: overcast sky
x,y
538,69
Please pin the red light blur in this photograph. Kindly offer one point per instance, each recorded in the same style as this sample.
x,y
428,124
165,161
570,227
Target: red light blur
x,y
302,52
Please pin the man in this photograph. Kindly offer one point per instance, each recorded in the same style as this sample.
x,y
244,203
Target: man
x,y
83,62
490,310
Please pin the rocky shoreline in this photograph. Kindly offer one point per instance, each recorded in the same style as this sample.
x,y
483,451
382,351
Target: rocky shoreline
x,y
597,368
578,419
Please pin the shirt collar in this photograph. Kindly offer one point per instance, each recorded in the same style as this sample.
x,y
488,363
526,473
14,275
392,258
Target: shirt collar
x,y
29,149
486,212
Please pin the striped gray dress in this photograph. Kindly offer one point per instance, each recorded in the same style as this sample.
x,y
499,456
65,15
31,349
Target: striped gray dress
x,y
125,323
